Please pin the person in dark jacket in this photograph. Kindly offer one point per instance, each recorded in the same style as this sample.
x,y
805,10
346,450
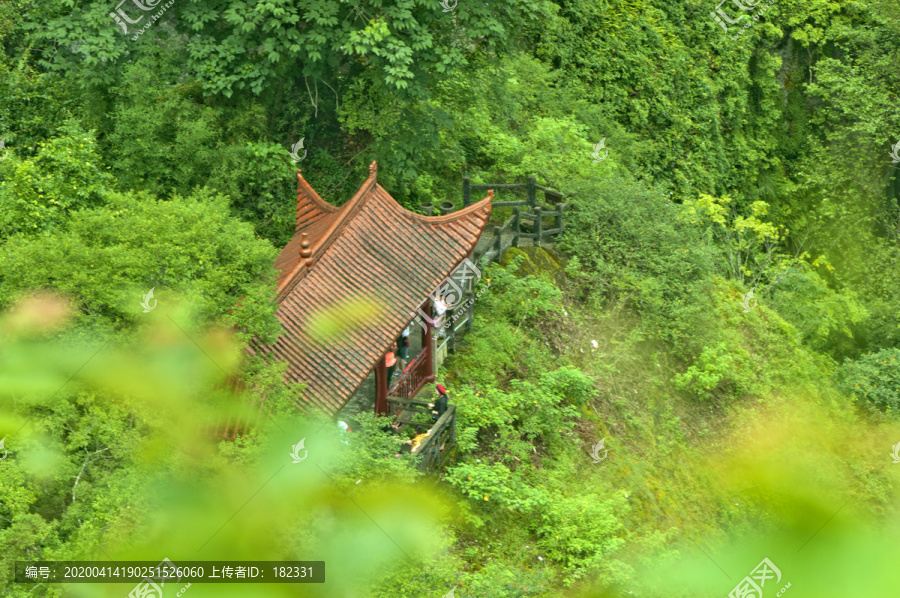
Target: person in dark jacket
x,y
440,404
403,350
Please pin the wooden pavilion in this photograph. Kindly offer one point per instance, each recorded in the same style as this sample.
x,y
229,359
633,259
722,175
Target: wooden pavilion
x,y
362,271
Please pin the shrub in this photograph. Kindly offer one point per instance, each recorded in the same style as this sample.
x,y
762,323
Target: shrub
x,y
38,194
110,255
824,317
580,531
713,367
629,237
874,380
496,580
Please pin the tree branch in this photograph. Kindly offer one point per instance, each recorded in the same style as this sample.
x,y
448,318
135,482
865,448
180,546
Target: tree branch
x,y
90,458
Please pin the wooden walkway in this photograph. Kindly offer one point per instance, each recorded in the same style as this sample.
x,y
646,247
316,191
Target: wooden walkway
x,y
526,227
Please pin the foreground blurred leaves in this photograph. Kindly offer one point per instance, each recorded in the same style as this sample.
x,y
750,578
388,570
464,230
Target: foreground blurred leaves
x,y
824,486
112,458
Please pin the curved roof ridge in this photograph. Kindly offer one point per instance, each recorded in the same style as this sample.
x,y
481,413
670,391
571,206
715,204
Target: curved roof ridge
x,y
342,214
310,193
451,217
348,209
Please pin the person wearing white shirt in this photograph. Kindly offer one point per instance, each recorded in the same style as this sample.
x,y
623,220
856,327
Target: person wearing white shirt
x,y
440,308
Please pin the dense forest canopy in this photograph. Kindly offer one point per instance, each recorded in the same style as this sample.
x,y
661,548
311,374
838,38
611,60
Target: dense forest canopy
x,y
720,315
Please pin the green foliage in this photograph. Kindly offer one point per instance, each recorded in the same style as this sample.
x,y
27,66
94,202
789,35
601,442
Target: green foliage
x,y
507,312
713,366
580,531
495,482
670,74
39,194
163,139
824,317
742,240
117,461
111,255
571,383
403,42
497,581
36,104
520,299
630,240
779,137
874,381
511,422
166,139
371,453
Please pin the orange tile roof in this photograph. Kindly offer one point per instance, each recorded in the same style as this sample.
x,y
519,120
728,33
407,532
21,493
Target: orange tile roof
x,y
370,263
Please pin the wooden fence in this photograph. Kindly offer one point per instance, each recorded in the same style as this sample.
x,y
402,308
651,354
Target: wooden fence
x,y
531,189
442,433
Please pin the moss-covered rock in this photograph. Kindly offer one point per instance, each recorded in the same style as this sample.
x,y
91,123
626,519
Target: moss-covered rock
x,y
536,260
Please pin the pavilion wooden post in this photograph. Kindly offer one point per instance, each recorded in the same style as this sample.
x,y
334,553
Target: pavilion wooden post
x,y
531,190
518,229
470,293
449,325
381,387
428,345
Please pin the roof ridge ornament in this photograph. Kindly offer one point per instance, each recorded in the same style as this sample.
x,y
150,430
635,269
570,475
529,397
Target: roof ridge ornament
x,y
373,170
305,251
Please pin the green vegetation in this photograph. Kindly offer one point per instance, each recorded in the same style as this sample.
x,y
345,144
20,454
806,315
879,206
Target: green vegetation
x,y
734,427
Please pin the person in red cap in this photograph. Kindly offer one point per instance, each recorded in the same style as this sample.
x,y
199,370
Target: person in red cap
x,y
441,403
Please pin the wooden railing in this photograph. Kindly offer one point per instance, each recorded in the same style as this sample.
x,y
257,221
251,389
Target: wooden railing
x,y
411,382
430,457
514,225
459,317
531,189
533,216
398,406
442,434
